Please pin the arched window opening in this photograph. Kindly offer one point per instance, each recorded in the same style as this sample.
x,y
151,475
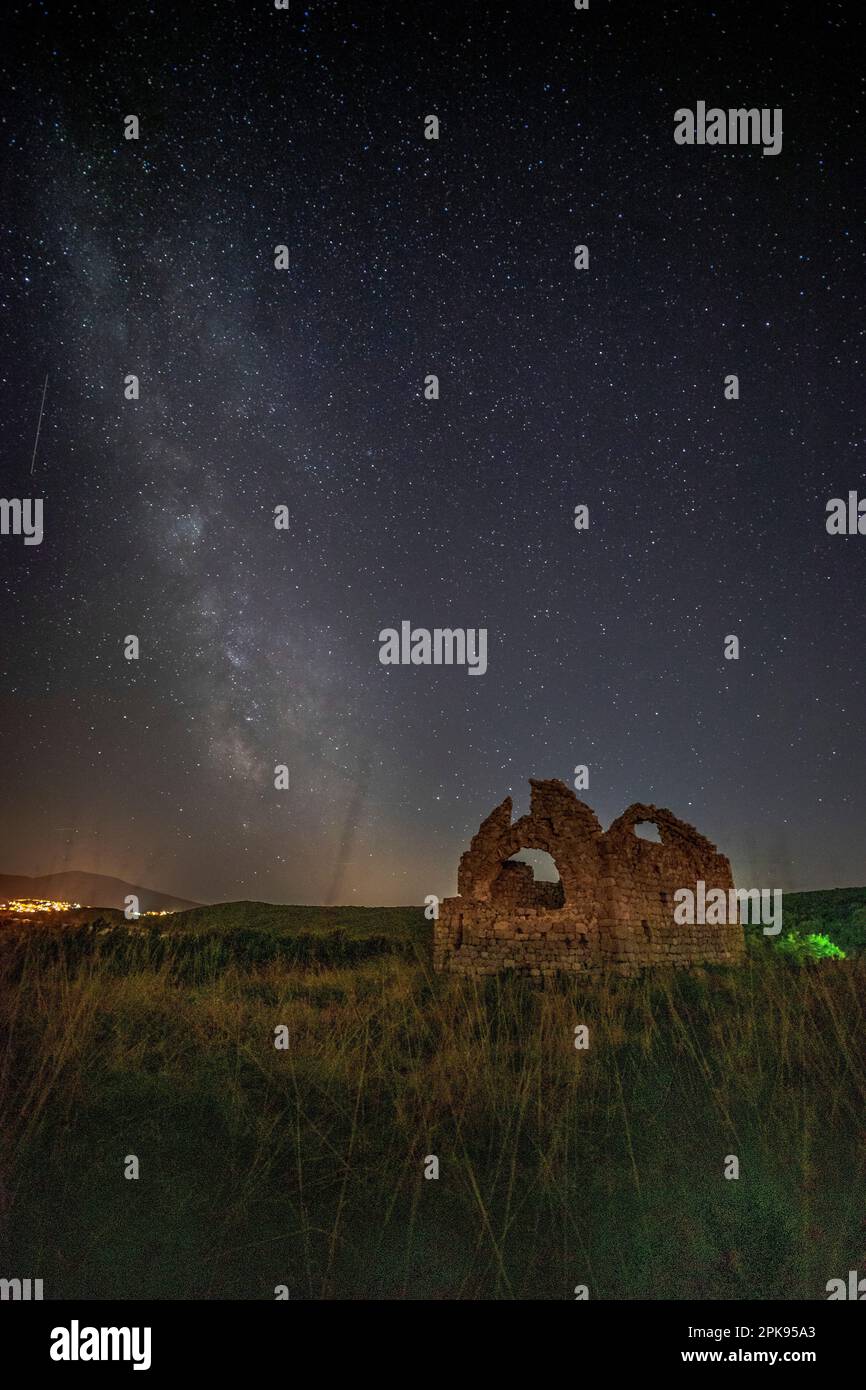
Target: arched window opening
x,y
529,878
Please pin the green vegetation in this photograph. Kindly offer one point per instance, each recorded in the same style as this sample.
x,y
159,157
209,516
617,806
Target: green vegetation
x,y
838,914
357,923
814,946
305,1167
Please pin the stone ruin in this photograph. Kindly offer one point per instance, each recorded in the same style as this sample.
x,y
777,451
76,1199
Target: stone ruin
x,y
612,909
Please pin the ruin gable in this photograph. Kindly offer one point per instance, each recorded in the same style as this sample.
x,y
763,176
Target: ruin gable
x,y
612,909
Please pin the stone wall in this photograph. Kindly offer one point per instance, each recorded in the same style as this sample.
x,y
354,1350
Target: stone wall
x,y
612,910
516,886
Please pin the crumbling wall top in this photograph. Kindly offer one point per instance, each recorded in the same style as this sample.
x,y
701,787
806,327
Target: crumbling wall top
x,y
557,823
672,831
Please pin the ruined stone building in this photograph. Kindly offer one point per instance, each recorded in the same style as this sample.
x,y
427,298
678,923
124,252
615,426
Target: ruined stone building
x,y
613,907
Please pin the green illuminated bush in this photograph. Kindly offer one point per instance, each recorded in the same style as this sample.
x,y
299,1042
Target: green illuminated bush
x,y
815,946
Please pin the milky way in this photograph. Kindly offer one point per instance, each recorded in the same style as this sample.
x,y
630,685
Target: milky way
x,y
305,388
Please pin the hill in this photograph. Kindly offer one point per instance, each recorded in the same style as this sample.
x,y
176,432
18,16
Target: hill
x,y
839,913
404,927
91,890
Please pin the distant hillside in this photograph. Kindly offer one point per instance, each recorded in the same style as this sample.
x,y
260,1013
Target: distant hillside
x,y
91,890
839,913
407,923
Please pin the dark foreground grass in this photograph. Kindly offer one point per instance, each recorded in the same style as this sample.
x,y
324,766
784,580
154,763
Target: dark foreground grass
x,y
305,1167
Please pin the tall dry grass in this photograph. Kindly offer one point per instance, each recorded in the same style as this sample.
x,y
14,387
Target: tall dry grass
x,y
305,1167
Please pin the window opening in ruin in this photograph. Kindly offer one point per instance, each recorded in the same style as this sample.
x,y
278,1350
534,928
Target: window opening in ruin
x,y
543,865
648,830
530,878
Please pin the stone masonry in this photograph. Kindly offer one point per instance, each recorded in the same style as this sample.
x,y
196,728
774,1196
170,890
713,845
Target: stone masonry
x,y
613,908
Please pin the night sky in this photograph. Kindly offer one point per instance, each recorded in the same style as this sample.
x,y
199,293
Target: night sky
x,y
305,388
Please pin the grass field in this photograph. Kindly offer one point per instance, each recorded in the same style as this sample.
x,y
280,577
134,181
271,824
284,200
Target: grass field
x,y
305,1167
